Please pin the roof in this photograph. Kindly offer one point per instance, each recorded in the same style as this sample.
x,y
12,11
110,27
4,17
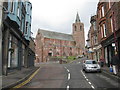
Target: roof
x,y
56,35
77,18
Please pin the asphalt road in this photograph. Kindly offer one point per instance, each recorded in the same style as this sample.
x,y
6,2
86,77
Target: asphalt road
x,y
55,75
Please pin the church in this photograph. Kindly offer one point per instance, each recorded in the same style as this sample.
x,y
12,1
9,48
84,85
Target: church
x,y
52,44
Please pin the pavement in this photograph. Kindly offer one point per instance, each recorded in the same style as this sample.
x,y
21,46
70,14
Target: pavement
x,y
106,71
16,77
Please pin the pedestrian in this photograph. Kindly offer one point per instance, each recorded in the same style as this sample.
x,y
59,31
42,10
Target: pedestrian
x,y
101,62
115,63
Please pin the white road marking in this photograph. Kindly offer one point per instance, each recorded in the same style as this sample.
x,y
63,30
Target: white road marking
x,y
79,62
87,80
92,86
85,77
89,83
68,76
68,87
68,70
65,67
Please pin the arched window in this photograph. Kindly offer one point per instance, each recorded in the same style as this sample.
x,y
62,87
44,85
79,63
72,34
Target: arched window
x,y
80,28
75,28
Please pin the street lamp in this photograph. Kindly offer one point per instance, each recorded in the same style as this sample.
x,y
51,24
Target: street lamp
x,y
1,8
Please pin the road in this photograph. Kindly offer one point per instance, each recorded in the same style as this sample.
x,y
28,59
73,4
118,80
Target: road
x,y
55,75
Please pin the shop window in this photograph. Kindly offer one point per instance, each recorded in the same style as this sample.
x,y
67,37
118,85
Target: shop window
x,y
13,52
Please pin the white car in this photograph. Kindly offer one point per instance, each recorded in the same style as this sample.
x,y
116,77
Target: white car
x,y
91,66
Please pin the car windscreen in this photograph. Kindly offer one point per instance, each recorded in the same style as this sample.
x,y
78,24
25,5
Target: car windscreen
x,y
90,62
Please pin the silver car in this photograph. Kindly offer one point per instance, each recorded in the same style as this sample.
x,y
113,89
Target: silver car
x,y
91,66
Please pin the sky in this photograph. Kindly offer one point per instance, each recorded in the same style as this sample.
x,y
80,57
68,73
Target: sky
x,y
59,15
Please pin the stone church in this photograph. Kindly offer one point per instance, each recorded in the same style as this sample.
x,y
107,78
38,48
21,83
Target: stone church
x,y
49,43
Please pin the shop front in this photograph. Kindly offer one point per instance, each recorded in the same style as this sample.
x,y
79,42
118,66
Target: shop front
x,y
109,50
13,52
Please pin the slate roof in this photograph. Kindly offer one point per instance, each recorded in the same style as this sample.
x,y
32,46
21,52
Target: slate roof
x,y
56,35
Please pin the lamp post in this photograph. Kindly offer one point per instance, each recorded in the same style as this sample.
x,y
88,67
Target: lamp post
x,y
1,8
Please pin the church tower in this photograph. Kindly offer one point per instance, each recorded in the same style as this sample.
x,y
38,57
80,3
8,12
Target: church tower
x,y
78,35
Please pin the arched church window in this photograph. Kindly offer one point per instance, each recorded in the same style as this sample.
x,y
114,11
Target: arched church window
x,y
75,28
80,28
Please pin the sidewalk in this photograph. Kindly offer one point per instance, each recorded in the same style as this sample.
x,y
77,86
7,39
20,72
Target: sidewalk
x,y
17,77
106,71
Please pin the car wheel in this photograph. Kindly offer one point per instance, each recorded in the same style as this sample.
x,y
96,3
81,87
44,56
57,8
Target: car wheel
x,y
83,69
100,71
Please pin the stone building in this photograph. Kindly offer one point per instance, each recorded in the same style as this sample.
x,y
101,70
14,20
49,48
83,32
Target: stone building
x,y
92,42
49,43
108,19
92,38
16,30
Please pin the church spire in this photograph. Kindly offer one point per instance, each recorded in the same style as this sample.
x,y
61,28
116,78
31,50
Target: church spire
x,y
77,18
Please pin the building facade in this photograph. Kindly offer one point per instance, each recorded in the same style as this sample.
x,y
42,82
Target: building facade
x,y
94,47
108,18
107,32
16,35
54,44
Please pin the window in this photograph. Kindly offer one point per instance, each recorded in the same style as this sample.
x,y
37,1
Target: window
x,y
104,29
111,24
75,28
18,10
109,3
80,28
26,30
94,25
103,11
95,39
100,13
12,6
101,31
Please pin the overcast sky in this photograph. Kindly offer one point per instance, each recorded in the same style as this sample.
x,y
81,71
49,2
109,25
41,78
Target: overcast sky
x,y
59,15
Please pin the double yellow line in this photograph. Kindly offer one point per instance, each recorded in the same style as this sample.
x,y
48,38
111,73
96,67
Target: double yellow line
x,y
28,80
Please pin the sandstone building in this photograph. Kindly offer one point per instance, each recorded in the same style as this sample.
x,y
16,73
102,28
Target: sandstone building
x,y
49,43
107,31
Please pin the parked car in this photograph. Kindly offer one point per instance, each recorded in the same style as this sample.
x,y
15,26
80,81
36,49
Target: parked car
x,y
91,66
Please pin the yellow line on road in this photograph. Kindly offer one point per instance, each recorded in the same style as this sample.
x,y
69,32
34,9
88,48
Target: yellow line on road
x,y
28,80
